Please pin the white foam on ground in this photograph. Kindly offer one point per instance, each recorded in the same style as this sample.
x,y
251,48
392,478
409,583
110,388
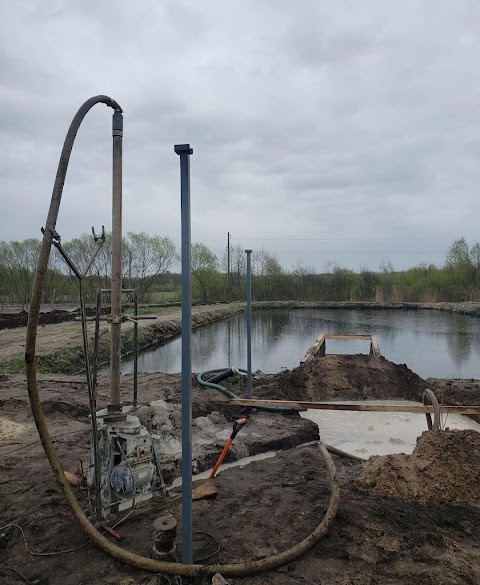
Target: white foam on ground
x,y
239,463
378,433
11,430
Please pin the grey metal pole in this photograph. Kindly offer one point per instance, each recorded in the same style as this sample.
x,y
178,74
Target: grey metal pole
x,y
249,324
135,346
116,299
185,151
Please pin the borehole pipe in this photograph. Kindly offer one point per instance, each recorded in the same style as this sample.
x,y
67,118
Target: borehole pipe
x,y
186,570
115,405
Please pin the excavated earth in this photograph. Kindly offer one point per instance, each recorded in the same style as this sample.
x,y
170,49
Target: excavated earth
x,y
403,519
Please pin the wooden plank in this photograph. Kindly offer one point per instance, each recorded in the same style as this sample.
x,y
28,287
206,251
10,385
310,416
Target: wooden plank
x,y
353,337
312,351
371,407
375,348
321,345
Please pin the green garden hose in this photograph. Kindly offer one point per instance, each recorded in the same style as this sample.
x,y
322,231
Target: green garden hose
x,y
232,396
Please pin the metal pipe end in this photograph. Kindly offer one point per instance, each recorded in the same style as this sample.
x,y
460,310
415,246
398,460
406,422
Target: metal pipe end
x,y
183,149
117,123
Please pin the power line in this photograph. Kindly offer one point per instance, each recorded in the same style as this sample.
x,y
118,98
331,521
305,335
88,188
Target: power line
x,y
355,238
375,253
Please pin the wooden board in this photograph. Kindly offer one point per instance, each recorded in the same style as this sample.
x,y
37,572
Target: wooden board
x,y
370,407
320,343
347,336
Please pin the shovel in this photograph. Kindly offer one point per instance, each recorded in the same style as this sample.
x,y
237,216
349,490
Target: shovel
x,y
237,426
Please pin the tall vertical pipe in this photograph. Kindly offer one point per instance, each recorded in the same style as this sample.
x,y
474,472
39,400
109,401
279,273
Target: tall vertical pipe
x,y
116,295
184,151
135,345
249,324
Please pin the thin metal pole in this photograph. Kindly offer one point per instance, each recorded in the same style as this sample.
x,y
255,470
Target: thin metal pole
x,y
135,347
249,324
116,324
185,151
93,404
96,343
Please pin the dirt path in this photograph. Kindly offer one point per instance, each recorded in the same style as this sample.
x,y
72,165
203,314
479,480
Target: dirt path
x,y
68,335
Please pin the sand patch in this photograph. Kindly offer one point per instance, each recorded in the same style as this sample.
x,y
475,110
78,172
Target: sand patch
x,y
444,467
10,429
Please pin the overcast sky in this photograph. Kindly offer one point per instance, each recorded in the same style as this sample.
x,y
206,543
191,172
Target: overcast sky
x,y
344,132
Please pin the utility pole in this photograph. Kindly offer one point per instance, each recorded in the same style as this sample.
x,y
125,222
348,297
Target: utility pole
x,y
129,269
228,255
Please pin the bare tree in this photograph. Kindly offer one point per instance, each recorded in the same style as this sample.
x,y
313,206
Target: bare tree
x,y
147,257
204,269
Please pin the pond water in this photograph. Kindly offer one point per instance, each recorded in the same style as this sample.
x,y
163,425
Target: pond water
x,y
431,343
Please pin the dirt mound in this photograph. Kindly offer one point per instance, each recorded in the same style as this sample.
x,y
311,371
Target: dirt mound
x,y
14,320
444,467
72,410
458,392
344,377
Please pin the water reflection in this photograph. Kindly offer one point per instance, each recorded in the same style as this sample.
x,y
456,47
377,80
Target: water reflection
x,y
432,343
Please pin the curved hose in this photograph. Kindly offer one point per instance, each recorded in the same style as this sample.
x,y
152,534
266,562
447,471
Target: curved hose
x,y
344,454
233,396
427,396
239,569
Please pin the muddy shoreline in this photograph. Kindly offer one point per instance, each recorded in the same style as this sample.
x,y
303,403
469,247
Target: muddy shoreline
x,y
59,343
12,319
59,347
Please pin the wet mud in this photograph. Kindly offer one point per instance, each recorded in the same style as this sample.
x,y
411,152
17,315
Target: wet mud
x,y
402,519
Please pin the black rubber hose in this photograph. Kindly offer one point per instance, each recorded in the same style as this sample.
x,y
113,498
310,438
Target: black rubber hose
x,y
221,376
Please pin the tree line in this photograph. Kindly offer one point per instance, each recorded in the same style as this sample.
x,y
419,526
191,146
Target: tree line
x,y
148,263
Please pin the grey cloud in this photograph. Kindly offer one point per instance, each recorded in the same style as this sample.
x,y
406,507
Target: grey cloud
x,y
339,119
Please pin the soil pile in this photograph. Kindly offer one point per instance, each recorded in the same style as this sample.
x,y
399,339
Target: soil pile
x,y
344,377
14,320
209,434
458,392
444,467
263,432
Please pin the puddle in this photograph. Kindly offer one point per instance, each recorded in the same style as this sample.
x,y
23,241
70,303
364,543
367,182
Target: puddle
x,y
378,433
239,463
10,429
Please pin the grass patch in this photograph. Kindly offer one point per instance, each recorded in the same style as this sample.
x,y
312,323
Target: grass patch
x,y
163,297
17,366
149,310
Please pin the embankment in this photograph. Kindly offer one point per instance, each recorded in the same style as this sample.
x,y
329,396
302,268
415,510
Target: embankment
x,y
60,349
463,308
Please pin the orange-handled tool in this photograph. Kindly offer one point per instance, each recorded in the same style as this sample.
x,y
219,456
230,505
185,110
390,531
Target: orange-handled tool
x,y
237,426
112,532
